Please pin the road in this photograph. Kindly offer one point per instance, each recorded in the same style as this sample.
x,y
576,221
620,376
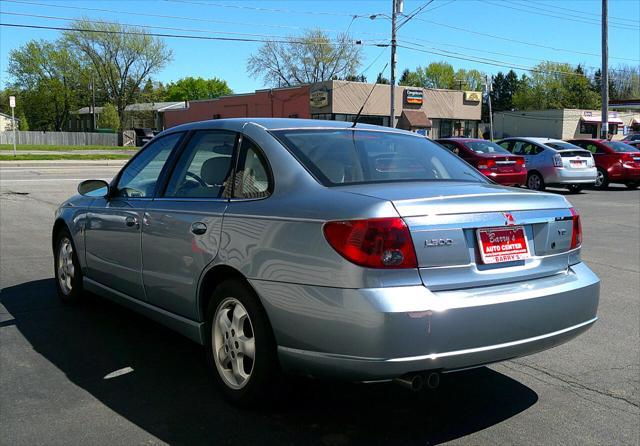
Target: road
x,y
57,384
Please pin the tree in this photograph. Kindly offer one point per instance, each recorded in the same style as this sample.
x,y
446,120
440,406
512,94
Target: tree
x,y
410,79
23,124
469,79
122,57
192,88
502,90
312,57
437,75
109,118
381,79
51,81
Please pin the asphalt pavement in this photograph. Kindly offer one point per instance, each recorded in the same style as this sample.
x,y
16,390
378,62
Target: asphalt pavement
x,y
100,374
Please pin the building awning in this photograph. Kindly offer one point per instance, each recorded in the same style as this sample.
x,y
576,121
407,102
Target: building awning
x,y
414,119
635,121
598,120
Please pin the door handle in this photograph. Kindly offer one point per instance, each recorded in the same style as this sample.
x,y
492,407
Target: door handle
x,y
198,228
132,221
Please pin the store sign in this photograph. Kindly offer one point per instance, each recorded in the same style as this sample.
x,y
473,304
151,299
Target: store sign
x,y
319,98
473,96
413,97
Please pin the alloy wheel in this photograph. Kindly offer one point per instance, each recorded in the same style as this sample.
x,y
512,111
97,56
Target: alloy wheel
x,y
534,182
66,269
599,179
233,343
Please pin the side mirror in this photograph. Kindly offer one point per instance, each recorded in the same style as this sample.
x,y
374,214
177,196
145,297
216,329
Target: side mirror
x,y
93,188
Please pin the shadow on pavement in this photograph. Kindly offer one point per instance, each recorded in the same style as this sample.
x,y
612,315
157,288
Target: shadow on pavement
x,y
169,394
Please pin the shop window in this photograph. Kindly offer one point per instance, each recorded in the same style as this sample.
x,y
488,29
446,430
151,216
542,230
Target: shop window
x,y
589,129
446,128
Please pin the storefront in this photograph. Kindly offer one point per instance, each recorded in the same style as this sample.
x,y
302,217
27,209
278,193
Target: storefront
x,y
435,113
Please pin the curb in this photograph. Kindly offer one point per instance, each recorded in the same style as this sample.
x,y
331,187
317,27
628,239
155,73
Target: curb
x,y
59,163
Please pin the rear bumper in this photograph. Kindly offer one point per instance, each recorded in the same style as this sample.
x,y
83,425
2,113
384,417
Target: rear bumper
x,y
508,179
623,172
373,334
563,175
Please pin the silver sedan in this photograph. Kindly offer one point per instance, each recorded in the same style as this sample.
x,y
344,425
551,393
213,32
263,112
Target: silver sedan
x,y
326,249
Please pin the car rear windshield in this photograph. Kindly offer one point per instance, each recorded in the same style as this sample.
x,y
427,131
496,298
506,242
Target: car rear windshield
x,y
562,146
353,156
620,146
486,147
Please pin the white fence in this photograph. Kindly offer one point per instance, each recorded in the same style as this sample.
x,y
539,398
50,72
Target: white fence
x,y
61,138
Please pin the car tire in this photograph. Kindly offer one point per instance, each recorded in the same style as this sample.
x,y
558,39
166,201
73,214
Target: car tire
x,y
66,269
632,184
535,182
602,179
237,328
575,188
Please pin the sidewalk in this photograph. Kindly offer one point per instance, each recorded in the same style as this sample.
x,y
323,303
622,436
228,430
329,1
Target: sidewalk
x,y
60,163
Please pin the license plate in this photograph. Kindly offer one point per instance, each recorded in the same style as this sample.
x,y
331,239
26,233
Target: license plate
x,y
576,163
503,244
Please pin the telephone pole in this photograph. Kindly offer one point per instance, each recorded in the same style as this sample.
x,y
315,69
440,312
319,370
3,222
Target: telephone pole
x,y
489,83
396,6
604,75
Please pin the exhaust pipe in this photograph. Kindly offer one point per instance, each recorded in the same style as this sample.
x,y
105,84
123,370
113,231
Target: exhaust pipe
x,y
433,380
413,382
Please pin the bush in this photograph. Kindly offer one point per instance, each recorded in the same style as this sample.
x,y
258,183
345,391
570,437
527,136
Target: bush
x,y
109,118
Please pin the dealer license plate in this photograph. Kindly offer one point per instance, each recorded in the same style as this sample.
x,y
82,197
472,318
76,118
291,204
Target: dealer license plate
x,y
503,244
578,163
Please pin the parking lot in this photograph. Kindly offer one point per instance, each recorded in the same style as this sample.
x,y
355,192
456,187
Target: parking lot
x,y
57,363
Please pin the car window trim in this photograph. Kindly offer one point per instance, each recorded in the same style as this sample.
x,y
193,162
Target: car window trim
x,y
263,155
183,147
113,186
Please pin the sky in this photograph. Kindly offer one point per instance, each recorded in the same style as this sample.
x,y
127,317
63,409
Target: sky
x,y
487,35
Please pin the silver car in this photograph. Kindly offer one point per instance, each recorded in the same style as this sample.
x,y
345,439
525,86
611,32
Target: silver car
x,y
553,162
315,247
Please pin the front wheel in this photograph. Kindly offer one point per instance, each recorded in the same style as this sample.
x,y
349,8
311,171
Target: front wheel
x,y
575,188
632,184
535,181
240,347
67,270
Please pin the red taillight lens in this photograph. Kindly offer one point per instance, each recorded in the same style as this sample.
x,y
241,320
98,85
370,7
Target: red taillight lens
x,y
373,243
520,161
576,235
486,164
626,158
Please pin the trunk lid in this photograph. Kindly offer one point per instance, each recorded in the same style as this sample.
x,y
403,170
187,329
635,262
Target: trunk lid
x,y
576,159
444,219
501,163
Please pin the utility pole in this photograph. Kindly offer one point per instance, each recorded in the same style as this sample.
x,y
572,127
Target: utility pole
x,y
93,103
396,6
604,76
489,82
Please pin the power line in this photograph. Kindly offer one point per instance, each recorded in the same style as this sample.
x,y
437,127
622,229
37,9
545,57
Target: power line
x,y
569,19
261,9
507,39
555,6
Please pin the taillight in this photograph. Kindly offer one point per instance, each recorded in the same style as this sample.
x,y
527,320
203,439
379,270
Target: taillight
x,y
520,161
373,243
557,160
487,164
576,235
626,158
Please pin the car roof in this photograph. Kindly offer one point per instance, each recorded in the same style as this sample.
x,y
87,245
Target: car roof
x,y
279,124
536,140
461,139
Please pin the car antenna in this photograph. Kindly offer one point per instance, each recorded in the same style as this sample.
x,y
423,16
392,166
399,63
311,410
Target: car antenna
x,y
355,121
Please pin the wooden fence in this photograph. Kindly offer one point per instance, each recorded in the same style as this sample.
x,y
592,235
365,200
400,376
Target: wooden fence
x,y
61,138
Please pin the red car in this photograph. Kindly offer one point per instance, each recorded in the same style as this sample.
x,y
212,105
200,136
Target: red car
x,y
616,161
490,159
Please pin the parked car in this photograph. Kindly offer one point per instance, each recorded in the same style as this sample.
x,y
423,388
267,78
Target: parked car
x,y
616,161
490,159
632,137
552,162
312,247
635,144
143,136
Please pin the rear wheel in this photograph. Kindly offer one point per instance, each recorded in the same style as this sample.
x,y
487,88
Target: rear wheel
x,y
632,184
574,188
67,270
602,179
535,181
240,348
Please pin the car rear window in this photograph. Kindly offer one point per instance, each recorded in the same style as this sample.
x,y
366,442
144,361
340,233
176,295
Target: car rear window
x,y
486,147
620,146
353,156
562,146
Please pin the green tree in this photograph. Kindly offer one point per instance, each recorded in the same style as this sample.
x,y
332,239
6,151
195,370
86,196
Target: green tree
x,y
23,124
437,75
109,118
381,79
312,57
410,79
121,57
469,79
192,88
51,81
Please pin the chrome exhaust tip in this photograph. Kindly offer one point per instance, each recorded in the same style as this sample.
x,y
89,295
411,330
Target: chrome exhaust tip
x,y
413,382
433,380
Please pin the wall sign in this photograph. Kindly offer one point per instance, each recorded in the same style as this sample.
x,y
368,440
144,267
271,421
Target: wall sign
x,y
413,97
472,96
319,98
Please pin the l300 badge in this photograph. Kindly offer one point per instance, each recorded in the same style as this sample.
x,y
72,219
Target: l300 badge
x,y
435,242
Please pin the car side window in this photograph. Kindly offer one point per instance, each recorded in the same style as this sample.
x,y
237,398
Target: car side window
x,y
204,167
452,147
533,149
253,179
139,178
508,145
519,148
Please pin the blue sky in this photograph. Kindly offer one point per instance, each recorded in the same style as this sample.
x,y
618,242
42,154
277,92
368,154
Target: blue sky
x,y
570,34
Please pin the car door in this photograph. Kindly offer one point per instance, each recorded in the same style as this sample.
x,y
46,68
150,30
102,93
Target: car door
x,y
113,227
181,227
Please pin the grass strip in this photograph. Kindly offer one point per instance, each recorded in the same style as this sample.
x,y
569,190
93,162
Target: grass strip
x,y
54,148
43,157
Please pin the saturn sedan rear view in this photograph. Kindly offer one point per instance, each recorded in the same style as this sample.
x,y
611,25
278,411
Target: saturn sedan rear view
x,y
326,249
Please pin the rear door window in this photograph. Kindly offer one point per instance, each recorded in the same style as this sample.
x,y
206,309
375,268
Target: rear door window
x,y
253,175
